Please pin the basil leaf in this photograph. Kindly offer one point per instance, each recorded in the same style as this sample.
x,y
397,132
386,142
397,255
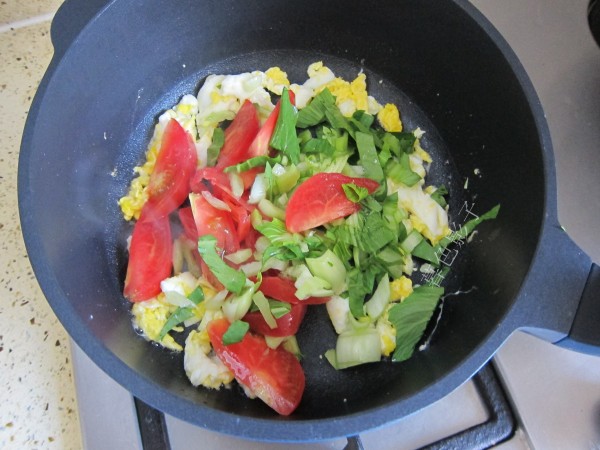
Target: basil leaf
x,y
233,280
178,316
236,332
410,318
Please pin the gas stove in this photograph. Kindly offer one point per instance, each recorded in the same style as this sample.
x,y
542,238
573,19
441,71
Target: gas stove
x,y
532,394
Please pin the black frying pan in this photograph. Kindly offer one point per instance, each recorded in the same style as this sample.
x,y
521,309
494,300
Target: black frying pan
x,y
118,65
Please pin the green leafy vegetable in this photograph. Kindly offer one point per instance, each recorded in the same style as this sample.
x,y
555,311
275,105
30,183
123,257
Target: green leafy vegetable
x,y
355,193
284,136
236,332
179,315
465,230
233,280
257,161
368,156
410,318
218,139
197,295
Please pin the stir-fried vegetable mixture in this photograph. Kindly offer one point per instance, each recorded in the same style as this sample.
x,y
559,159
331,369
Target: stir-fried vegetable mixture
x,y
260,198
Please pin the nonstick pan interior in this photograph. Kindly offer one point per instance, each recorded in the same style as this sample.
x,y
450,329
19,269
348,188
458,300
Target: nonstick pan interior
x,y
436,60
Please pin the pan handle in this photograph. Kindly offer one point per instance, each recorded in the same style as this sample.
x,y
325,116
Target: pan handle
x,y
70,19
562,295
584,335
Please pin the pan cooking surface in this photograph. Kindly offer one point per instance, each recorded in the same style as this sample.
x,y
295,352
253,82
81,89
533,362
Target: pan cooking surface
x,y
328,392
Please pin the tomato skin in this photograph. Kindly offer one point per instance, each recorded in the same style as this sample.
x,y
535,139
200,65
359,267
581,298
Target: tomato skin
x,y
321,199
287,325
175,164
210,220
186,217
150,259
238,136
274,375
283,289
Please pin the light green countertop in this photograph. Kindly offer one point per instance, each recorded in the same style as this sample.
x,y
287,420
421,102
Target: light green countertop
x,y
39,408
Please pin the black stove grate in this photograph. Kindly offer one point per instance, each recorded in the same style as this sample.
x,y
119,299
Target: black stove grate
x,y
499,427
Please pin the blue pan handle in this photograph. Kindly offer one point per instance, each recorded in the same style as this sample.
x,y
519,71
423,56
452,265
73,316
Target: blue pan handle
x,y
584,335
561,295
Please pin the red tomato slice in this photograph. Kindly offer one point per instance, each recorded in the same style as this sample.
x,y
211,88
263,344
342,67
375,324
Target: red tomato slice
x,y
287,325
274,375
175,164
283,289
186,217
321,199
238,136
210,220
150,259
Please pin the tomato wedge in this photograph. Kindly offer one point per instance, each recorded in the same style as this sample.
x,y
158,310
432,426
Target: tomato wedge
x,y
210,220
175,164
150,259
283,289
260,144
239,135
287,325
321,199
274,375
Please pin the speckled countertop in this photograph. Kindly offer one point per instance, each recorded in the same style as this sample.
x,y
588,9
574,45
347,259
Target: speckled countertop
x,y
39,409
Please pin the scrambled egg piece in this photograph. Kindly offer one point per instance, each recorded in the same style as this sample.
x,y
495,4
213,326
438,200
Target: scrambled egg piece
x,y
387,333
350,95
202,367
150,317
318,76
275,80
389,118
426,215
400,288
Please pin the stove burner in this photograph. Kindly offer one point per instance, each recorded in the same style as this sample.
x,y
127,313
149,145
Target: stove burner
x,y
499,427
